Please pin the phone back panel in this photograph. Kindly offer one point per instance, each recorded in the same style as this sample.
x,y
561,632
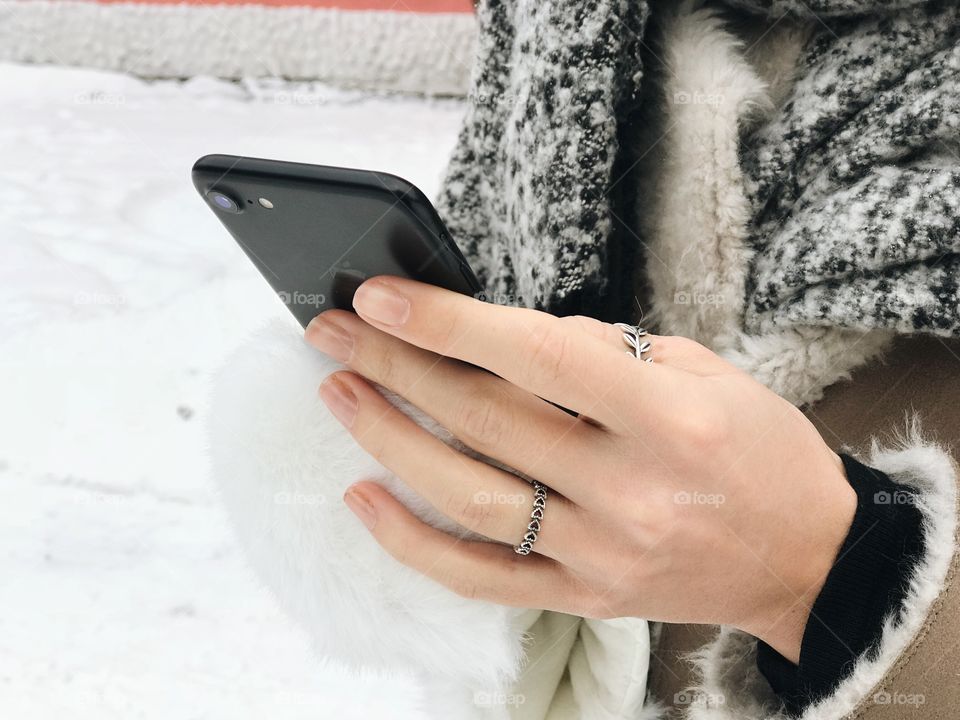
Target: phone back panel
x,y
329,229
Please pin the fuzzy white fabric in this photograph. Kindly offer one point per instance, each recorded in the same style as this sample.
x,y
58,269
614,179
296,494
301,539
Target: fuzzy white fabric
x,y
282,463
429,53
732,687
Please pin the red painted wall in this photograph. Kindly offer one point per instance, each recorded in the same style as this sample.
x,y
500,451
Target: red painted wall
x,y
423,6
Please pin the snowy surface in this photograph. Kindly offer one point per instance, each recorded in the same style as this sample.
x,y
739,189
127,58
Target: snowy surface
x,y
122,592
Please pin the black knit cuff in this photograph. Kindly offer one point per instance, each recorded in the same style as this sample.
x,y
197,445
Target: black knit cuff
x,y
866,585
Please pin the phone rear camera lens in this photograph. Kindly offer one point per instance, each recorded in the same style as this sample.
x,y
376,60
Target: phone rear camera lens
x,y
223,202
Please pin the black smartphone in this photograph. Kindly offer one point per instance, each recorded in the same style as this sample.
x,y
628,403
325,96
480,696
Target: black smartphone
x,y
315,233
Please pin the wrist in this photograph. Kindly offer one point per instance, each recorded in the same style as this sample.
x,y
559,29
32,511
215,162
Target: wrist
x,y
804,561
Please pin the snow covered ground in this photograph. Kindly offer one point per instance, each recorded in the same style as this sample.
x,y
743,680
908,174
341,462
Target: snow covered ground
x,y
122,592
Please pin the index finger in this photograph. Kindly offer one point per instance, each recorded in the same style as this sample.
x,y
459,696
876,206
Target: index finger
x,y
549,356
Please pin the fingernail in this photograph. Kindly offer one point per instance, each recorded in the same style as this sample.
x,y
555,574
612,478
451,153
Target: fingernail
x,y
330,339
361,507
339,398
382,304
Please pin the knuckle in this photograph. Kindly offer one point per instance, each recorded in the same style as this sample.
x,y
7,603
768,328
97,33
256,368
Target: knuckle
x,y
378,449
465,586
385,369
586,324
447,329
473,512
704,430
483,419
675,344
546,353
662,510
469,590
651,525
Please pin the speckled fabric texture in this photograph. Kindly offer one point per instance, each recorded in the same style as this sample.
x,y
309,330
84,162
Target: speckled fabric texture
x,y
528,193
856,184
826,8
853,184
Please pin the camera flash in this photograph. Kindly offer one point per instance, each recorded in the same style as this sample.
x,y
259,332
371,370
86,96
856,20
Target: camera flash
x,y
265,203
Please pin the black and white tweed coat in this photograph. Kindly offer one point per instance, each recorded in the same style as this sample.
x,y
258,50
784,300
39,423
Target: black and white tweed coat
x,y
853,184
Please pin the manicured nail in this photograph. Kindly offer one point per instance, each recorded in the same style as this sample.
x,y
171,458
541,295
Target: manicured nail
x,y
361,507
330,339
340,399
382,304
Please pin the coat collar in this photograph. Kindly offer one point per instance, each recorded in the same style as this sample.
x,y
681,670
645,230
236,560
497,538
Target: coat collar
x,y
720,78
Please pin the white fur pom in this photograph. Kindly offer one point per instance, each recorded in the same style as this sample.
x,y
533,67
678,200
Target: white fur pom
x,y
282,463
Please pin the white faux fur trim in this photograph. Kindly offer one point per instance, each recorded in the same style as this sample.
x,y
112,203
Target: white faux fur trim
x,y
694,212
282,463
730,682
428,53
